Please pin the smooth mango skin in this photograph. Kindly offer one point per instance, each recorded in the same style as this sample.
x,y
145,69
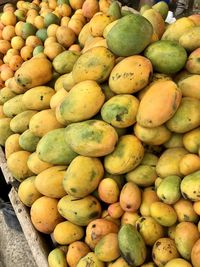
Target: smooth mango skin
x,y
186,235
185,211
2,115
58,97
27,191
92,138
28,141
129,218
83,101
49,182
34,72
53,149
75,252
149,159
84,34
99,22
64,62
14,106
189,86
56,258
190,186
166,166
17,164
38,98
163,213
132,246
68,81
130,75
178,262
66,232
191,140
130,197
176,140
98,228
95,64
79,211
149,264
115,210
120,111
149,229
148,197
127,38
36,165
120,262
187,116
195,254
126,156
163,251
160,94
166,56
5,130
189,164
90,260
80,182
107,249
169,189
6,94
152,136
163,8
143,175
192,64
177,29
12,145
190,40
43,122
20,122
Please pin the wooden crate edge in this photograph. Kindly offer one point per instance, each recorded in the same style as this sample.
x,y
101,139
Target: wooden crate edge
x,y
35,242
3,165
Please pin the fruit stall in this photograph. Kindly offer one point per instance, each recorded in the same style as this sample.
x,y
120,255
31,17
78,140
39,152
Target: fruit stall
x,y
100,132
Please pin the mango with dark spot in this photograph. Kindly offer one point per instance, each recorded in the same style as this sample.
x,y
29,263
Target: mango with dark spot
x,y
79,211
14,106
185,212
20,122
132,245
190,186
80,182
90,260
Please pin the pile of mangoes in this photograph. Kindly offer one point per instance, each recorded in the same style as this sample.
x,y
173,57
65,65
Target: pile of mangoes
x,y
100,120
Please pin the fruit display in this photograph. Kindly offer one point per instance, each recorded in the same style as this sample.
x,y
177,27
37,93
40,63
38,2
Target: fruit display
x,y
100,124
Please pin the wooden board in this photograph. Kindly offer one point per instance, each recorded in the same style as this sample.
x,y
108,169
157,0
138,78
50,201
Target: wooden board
x,y
6,173
36,243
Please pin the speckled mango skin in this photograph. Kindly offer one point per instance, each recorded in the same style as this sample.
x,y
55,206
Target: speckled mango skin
x,y
190,186
91,260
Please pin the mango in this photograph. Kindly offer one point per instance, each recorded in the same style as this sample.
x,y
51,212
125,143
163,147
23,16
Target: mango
x,y
190,186
185,211
115,210
169,189
12,145
80,182
132,246
50,148
189,164
64,62
166,56
148,197
129,218
187,116
151,112
120,111
36,165
186,235
192,64
189,86
177,29
190,39
97,229
149,159
20,122
108,190
91,259
195,254
163,251
124,81
93,138
126,156
126,38
14,106
34,72
76,251
43,122
44,214
49,182
120,262
84,34
161,7
5,130
89,8
176,140
99,22
56,258
166,166
79,211
163,213
191,140
86,93
6,94
68,81
38,98
107,249
28,141
149,229
149,264
27,191
178,262
17,164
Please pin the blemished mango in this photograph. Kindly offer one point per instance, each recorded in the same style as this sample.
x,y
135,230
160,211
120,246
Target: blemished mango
x,y
20,122
190,39
75,252
129,218
14,106
185,211
151,113
190,186
130,197
91,259
5,94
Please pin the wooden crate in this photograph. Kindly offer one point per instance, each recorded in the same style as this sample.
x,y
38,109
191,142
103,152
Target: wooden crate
x,y
37,243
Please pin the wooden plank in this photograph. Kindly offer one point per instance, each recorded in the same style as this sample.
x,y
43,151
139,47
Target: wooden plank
x,y
36,243
3,165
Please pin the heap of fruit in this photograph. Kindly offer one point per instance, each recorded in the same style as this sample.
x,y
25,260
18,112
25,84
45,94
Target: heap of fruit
x,y
100,120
